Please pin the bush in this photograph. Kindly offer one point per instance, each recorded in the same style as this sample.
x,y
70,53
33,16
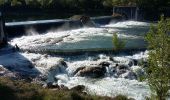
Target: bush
x,y
21,90
121,97
158,71
118,44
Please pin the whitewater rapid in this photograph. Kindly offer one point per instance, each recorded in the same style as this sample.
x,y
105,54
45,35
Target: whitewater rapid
x,y
51,67
86,38
60,69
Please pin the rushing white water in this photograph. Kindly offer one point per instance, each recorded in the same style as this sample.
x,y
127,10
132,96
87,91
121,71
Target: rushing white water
x,y
87,38
128,24
53,69
61,70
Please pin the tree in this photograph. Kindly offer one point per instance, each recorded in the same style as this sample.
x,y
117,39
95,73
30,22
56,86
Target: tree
x,y
118,44
158,71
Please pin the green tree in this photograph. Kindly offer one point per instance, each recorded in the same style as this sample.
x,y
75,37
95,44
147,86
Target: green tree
x,y
118,43
158,71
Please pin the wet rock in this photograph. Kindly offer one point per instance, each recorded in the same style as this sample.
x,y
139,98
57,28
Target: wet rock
x,y
62,87
17,48
50,85
111,58
135,62
104,64
93,72
78,69
85,20
129,75
120,67
63,63
130,63
78,88
122,71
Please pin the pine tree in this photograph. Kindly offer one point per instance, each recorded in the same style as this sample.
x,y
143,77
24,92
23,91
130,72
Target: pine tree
x,y
158,71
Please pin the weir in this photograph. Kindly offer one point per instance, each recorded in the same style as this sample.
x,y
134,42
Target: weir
x,y
129,12
3,36
15,29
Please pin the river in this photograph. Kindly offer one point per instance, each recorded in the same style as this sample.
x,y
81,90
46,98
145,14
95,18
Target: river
x,y
87,38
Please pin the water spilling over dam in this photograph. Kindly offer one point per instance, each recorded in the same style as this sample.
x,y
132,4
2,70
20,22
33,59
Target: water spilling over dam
x,y
86,39
118,73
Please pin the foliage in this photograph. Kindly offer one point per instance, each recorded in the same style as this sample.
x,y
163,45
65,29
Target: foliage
x,y
121,97
158,72
87,3
118,43
20,90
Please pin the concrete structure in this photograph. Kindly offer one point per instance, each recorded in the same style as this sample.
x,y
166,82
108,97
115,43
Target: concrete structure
x,y
129,12
3,37
16,29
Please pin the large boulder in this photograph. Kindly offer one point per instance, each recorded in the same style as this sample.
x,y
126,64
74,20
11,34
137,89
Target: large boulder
x,y
78,69
104,64
93,72
122,67
50,85
85,20
78,88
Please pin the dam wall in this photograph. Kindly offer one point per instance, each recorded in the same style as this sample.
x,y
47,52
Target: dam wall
x,y
15,29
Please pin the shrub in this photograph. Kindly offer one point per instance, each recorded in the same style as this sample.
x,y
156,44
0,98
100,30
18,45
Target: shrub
x,y
118,43
21,90
158,71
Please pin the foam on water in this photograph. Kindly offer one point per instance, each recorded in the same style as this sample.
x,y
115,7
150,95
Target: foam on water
x,y
84,38
127,24
51,66
112,86
80,38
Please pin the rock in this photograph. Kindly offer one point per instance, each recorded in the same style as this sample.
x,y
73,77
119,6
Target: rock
x,y
50,85
78,69
120,67
111,58
17,48
62,87
104,64
129,75
130,63
78,88
62,62
135,62
122,71
85,20
93,72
